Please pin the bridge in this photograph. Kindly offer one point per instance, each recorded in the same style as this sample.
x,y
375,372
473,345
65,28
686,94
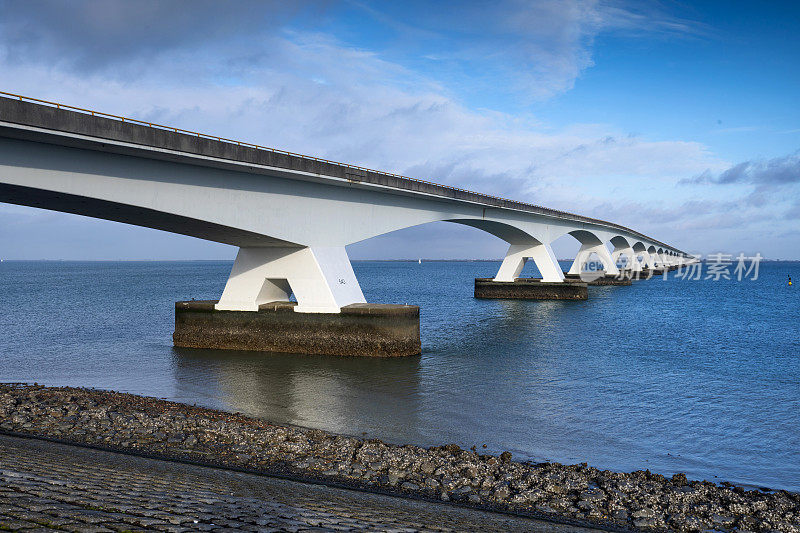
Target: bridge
x,y
290,215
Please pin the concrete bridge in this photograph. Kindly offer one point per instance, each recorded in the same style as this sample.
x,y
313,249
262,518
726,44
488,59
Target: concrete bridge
x,y
290,215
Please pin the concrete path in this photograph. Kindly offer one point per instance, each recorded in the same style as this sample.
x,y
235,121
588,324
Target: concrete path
x,y
48,487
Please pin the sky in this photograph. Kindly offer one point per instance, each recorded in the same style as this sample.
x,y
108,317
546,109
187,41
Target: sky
x,y
680,120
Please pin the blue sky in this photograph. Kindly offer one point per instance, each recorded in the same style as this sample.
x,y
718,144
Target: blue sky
x,y
681,120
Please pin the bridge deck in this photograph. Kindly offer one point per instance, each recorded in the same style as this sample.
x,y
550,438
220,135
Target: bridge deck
x,y
29,112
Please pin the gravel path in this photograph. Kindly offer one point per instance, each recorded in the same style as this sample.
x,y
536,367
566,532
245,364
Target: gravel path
x,y
577,493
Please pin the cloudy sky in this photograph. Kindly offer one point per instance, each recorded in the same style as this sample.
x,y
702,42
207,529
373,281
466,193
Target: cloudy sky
x,y
681,121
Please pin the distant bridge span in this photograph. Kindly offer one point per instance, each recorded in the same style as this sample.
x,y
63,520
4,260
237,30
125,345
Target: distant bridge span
x,y
290,215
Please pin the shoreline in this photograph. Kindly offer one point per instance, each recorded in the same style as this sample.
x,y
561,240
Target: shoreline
x,y
51,487
571,494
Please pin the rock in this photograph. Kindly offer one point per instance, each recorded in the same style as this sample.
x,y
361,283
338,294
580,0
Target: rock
x,y
720,520
502,493
560,504
470,472
645,523
620,515
749,523
594,495
679,480
645,512
528,497
427,467
587,505
638,499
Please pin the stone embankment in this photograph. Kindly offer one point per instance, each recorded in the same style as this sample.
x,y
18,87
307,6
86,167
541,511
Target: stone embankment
x,y
637,500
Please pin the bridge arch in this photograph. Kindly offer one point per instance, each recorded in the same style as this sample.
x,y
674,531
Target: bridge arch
x,y
620,242
591,243
586,237
623,247
640,250
507,232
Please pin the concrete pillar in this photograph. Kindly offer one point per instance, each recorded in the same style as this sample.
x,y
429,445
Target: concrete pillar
x,y
655,259
542,255
632,264
322,279
647,260
602,252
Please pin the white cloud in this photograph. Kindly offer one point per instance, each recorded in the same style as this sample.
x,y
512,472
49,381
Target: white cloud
x,y
369,112
310,93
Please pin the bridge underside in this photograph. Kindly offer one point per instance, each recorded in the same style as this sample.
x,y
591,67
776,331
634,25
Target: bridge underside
x,y
131,214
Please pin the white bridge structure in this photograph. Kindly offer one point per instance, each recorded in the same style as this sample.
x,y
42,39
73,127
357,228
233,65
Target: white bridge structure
x,y
290,215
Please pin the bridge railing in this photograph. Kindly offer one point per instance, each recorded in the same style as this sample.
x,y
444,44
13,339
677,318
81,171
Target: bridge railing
x,y
511,203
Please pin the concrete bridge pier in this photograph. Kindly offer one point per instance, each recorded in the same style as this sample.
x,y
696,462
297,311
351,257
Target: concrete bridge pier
x,y
329,317
601,278
551,286
633,268
518,254
586,251
321,279
647,262
658,264
632,264
678,262
591,244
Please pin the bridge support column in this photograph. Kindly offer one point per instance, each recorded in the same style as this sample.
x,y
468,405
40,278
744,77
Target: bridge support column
x,y
647,261
329,318
632,263
670,262
322,279
585,251
508,285
518,254
632,269
657,265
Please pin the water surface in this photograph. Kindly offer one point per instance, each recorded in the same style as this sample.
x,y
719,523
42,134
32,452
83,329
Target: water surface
x,y
701,377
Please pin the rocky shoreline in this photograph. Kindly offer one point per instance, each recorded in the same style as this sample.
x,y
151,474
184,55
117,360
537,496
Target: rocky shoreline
x,y
580,493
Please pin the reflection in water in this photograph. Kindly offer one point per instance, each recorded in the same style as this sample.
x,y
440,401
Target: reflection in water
x,y
347,395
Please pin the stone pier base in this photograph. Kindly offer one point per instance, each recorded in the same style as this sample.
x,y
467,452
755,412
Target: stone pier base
x,y
653,272
625,279
372,330
530,289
